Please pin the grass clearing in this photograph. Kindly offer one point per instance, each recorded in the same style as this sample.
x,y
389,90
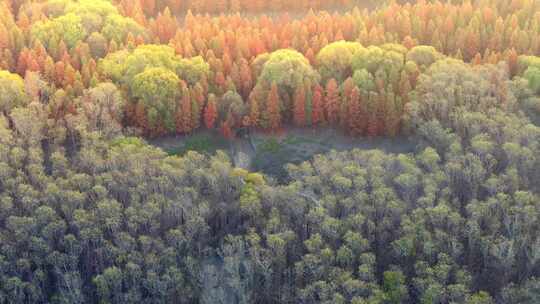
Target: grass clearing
x,y
206,142
296,145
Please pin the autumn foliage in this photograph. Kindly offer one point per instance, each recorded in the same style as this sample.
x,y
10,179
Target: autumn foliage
x,y
351,92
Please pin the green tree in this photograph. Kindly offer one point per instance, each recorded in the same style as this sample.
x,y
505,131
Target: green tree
x,y
364,80
374,59
123,66
288,69
158,89
117,28
395,290
423,56
481,297
532,74
334,60
12,91
68,28
109,285
103,107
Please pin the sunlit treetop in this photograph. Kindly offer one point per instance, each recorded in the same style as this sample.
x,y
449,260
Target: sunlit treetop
x,y
74,21
334,60
287,69
525,62
158,89
424,55
123,66
156,77
12,92
374,58
532,74
68,28
398,48
96,8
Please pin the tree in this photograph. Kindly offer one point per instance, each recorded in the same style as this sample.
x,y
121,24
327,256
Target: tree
x,y
317,114
109,285
103,108
118,28
423,55
254,112
394,287
30,122
196,112
364,80
381,112
374,59
392,115
98,45
481,297
247,80
122,66
472,84
346,91
158,88
232,108
184,117
226,130
308,89
12,92
356,115
141,116
332,102
210,112
532,74
165,26
472,44
4,37
512,59
288,69
299,116
193,70
449,215
156,70
148,6
273,108
525,293
69,28
334,60
372,119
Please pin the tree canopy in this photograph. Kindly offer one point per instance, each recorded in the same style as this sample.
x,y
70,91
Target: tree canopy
x,y
287,69
158,89
224,151
12,91
334,60
123,66
73,21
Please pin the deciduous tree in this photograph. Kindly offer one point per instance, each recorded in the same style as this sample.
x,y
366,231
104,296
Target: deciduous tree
x,y
332,102
273,108
210,112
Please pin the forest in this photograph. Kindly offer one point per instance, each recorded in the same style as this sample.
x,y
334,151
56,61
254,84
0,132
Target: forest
x,y
92,212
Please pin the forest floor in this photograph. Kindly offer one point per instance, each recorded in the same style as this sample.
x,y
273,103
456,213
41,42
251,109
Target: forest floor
x,y
270,152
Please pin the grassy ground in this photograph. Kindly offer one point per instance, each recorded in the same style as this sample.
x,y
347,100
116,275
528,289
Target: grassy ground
x,y
295,145
201,141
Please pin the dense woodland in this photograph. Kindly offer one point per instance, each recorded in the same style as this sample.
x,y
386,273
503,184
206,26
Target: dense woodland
x,y
90,213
